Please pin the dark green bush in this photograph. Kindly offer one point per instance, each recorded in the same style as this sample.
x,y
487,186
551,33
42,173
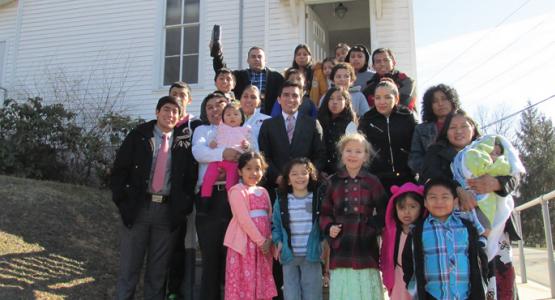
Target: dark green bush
x,y
43,141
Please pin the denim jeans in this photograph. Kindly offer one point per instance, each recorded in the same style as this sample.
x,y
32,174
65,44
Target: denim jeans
x,y
302,280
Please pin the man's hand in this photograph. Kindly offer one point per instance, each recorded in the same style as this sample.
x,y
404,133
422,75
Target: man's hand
x,y
231,154
484,184
335,230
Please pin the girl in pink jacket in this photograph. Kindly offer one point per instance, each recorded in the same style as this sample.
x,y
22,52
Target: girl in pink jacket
x,y
248,271
405,207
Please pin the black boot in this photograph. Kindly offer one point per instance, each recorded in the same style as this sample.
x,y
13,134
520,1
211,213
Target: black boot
x,y
189,278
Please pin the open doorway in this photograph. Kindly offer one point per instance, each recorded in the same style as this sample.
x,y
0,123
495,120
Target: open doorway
x,y
331,22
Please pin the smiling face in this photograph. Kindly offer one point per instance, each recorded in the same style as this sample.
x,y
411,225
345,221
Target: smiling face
x,y
408,210
252,172
250,100
256,60
459,132
384,100
354,155
343,79
357,60
441,106
232,116
290,99
383,63
302,57
439,202
214,109
225,82
167,117
298,178
341,54
337,103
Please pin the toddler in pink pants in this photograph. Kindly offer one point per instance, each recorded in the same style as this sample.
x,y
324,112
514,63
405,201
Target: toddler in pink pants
x,y
229,134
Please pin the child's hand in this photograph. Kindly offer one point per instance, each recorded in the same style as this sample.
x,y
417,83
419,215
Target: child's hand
x,y
245,145
277,255
335,230
265,248
213,144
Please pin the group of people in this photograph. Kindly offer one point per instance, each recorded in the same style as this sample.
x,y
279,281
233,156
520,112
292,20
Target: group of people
x,y
318,177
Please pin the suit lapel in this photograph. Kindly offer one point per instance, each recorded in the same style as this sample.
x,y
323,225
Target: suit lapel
x,y
280,124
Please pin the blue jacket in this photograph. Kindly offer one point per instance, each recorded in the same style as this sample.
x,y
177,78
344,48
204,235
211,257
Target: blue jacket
x,y
281,231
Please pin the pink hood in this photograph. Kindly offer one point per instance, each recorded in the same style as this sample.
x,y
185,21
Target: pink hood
x,y
387,265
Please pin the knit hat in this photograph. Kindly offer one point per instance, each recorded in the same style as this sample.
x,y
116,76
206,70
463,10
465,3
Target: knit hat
x,y
387,265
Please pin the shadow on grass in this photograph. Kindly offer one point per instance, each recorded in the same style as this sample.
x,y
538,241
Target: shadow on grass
x,y
57,241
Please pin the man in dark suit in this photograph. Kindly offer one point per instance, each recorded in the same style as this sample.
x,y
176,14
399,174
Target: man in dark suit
x,y
152,184
290,135
268,81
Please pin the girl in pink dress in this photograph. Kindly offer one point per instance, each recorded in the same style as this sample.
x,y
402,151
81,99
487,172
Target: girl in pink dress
x,y
249,237
405,207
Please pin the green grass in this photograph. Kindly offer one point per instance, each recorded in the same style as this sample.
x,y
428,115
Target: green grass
x,y
57,241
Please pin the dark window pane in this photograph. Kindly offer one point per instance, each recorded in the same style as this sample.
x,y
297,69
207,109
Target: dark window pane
x,y
173,42
190,69
191,11
173,12
190,40
171,70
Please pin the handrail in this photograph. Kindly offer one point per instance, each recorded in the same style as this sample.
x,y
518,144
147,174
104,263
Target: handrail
x,y
542,200
547,197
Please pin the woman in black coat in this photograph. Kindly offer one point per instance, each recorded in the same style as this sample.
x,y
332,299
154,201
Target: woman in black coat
x,y
389,128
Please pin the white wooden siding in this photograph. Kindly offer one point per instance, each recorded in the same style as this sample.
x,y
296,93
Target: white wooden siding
x,y
395,30
283,35
8,16
99,43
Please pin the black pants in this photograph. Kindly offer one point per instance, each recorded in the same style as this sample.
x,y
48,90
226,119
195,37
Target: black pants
x,y
212,220
177,262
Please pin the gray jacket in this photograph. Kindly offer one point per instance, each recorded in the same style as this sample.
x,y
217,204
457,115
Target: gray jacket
x,y
424,135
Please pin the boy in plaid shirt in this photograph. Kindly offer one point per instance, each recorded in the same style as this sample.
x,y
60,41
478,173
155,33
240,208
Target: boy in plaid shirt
x,y
445,260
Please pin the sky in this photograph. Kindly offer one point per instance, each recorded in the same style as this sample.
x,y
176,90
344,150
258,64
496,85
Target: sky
x,y
498,54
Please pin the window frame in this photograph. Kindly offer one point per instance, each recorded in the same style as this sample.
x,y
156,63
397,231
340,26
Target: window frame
x,y
161,58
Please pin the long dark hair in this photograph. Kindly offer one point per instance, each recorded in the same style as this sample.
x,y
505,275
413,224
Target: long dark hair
x,y
203,115
284,188
428,100
442,137
347,115
307,49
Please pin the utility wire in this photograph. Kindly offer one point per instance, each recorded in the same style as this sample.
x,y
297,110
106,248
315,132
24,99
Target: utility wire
x,y
512,67
489,58
477,41
518,112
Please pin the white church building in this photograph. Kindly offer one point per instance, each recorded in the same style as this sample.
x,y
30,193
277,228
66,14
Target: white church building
x,y
131,50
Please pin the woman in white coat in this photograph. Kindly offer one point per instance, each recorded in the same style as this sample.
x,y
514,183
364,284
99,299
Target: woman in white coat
x,y
250,102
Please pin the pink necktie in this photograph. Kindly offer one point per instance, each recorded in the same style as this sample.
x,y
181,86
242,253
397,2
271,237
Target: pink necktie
x,y
290,127
160,168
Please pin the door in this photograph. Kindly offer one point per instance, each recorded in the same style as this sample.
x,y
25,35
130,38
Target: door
x,y
316,35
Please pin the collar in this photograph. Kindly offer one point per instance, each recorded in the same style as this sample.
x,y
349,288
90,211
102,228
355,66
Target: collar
x,y
158,132
257,72
344,174
295,115
452,218
184,120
